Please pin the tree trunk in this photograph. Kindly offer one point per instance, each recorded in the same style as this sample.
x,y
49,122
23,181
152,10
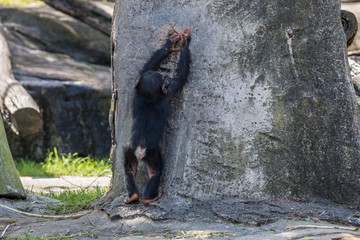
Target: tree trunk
x,y
10,184
86,11
15,102
269,110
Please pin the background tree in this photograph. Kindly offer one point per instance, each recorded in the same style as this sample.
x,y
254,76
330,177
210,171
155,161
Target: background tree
x,y
10,184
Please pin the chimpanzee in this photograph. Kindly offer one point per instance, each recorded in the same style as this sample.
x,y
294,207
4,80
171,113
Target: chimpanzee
x,y
151,107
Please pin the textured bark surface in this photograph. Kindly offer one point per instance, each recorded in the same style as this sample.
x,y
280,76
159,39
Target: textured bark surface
x,y
269,110
10,184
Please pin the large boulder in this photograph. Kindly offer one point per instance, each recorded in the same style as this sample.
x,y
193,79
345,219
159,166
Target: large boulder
x,y
46,29
63,64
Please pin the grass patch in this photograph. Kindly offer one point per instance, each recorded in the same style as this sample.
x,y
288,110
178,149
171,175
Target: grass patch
x,y
73,200
28,167
21,3
27,236
56,165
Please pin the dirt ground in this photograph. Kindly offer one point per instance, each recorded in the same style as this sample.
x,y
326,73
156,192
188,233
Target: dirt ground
x,y
38,184
98,225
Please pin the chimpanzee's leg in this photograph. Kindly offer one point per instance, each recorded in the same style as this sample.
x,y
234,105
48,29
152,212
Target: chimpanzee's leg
x,y
130,166
153,162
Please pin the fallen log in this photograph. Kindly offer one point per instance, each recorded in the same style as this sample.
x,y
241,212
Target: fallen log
x,y
16,104
86,11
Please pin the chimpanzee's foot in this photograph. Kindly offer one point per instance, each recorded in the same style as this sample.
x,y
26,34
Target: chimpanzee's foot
x,y
146,201
133,198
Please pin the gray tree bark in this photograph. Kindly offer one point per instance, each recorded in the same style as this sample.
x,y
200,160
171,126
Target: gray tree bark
x,y
10,184
269,110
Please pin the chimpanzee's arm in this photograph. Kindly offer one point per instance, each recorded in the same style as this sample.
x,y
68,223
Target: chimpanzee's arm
x,y
182,72
159,55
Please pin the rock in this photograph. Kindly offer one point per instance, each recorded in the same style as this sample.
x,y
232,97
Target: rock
x,y
96,14
53,57
353,7
355,75
49,30
32,204
269,110
350,25
142,228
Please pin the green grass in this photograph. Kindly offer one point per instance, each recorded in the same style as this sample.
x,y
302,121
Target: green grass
x,y
27,167
73,200
56,165
27,3
20,3
27,237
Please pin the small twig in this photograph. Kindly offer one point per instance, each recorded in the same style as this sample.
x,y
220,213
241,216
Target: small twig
x,y
131,231
89,219
82,188
71,182
45,216
65,237
320,227
3,233
102,173
121,224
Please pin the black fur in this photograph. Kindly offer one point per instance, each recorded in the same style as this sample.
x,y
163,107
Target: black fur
x,y
151,107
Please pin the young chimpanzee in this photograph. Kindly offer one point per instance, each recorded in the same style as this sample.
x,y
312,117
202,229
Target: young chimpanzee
x,y
150,108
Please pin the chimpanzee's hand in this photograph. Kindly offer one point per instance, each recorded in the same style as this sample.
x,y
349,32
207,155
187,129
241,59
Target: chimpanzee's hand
x,y
174,38
171,42
187,36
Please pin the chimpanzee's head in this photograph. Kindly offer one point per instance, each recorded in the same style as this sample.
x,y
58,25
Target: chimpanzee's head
x,y
151,85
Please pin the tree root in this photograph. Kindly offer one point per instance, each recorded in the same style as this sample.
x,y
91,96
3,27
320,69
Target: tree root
x,y
44,215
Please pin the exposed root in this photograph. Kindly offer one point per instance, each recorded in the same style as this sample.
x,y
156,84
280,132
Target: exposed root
x,y
44,215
